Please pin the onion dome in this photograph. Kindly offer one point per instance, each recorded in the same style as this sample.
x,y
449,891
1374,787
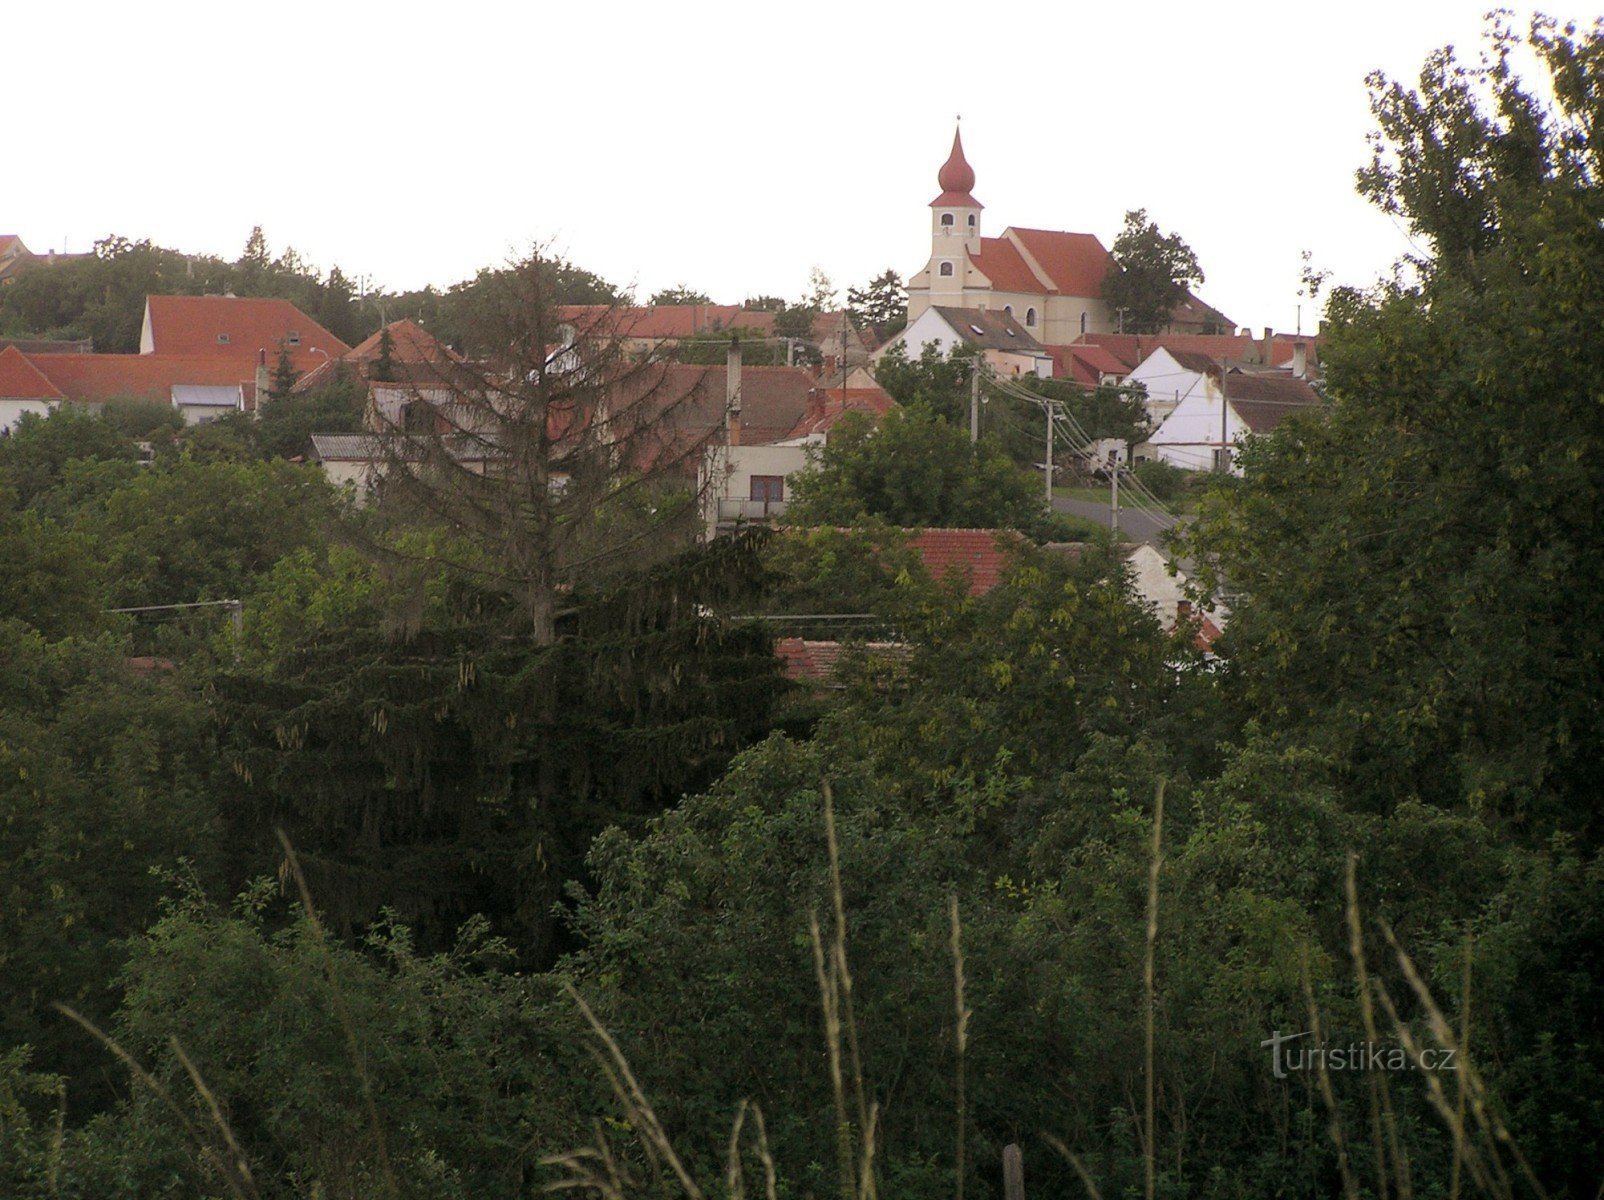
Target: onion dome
x,y
956,179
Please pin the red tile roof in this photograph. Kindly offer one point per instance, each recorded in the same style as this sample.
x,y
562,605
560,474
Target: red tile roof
x,y
1134,347
999,260
21,380
979,555
1075,263
1263,401
94,378
1086,364
807,661
663,321
409,342
191,325
826,407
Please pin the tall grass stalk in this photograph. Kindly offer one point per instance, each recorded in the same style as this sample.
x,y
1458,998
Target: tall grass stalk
x,y
962,1014
232,1165
1382,1118
343,1014
1155,862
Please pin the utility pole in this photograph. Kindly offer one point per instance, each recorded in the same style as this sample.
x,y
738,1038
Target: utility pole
x,y
1224,463
1047,407
1113,508
974,400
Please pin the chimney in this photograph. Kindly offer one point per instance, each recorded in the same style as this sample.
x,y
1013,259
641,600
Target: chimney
x,y
817,403
1300,360
1183,611
263,383
830,364
732,390
1269,337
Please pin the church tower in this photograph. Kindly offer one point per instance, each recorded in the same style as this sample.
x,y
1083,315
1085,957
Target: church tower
x,y
954,225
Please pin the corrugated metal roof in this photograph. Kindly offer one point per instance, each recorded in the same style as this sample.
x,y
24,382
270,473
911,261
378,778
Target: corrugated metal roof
x,y
208,395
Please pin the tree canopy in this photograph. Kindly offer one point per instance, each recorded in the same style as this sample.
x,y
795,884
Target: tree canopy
x,y
1153,272
913,470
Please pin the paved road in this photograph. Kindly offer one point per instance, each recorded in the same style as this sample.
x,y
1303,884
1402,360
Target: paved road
x,y
1134,525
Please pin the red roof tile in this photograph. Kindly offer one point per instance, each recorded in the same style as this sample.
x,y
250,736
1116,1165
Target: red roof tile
x,y
21,380
95,378
192,325
1086,364
979,555
827,407
1075,263
409,342
663,321
1000,261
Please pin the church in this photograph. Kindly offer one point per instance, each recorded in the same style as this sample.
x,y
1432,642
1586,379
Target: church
x,y
1050,282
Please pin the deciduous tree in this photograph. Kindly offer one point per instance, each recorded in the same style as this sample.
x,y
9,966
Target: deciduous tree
x,y
1152,275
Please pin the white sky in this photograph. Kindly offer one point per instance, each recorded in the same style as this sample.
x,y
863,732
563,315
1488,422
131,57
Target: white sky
x,y
728,146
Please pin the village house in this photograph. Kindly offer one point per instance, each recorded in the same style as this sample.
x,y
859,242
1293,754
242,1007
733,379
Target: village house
x,y
1217,408
203,355
773,419
1006,347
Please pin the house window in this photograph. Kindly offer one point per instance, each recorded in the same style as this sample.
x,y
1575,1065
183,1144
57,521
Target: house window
x,y
222,339
293,338
946,218
1030,318
767,490
1222,458
946,269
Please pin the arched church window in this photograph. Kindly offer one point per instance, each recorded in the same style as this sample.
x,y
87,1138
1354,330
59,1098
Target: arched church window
x,y
1030,318
946,268
971,220
1009,309
946,218
1083,322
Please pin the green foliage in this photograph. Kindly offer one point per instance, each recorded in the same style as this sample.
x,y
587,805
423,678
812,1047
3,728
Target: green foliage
x,y
680,294
935,382
1165,481
34,456
880,305
868,569
205,530
1421,572
50,579
142,419
339,1072
712,348
285,424
101,777
446,769
102,296
913,470
284,375
1154,272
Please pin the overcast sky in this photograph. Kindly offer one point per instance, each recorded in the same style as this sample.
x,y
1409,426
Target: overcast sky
x,y
730,147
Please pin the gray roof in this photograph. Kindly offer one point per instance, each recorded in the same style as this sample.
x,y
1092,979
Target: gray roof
x,y
990,330
1263,400
209,395
345,447
372,447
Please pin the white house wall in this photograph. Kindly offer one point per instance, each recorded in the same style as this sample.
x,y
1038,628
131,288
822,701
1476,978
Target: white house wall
x,y
728,471
11,410
1167,383
1190,435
